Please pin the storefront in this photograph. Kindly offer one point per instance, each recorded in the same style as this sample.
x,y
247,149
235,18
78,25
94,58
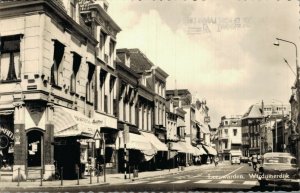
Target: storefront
x,y
6,142
139,152
73,135
160,159
107,125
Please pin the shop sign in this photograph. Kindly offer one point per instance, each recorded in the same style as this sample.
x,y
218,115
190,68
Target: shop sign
x,y
3,141
6,132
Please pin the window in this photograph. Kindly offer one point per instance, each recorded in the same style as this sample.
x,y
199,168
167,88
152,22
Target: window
x,y
226,131
10,65
234,132
73,9
102,43
56,68
103,75
76,66
226,145
90,82
111,52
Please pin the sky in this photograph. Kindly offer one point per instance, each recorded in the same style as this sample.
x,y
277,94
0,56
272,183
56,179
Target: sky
x,y
222,51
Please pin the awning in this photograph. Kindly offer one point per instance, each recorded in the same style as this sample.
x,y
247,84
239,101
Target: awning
x,y
172,154
139,142
156,143
203,128
236,152
210,150
198,152
178,146
190,148
203,152
71,123
180,123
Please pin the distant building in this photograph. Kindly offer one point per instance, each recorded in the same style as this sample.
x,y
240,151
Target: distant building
x,y
260,124
229,137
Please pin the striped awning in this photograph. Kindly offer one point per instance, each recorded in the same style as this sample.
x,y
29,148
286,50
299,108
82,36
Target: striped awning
x,y
71,123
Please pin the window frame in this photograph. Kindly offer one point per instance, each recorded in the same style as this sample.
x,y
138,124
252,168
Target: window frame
x,y
17,75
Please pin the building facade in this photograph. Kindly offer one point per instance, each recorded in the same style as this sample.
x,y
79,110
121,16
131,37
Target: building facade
x,y
62,93
229,137
260,124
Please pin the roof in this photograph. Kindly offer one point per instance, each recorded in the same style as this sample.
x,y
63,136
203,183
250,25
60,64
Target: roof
x,y
253,112
139,62
178,92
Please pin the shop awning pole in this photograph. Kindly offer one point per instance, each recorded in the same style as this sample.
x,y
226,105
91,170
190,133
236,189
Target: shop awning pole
x,y
104,166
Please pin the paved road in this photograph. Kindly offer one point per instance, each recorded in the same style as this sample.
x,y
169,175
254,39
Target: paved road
x,y
220,178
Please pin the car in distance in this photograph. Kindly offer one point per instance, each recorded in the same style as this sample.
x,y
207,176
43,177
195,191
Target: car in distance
x,y
280,169
235,160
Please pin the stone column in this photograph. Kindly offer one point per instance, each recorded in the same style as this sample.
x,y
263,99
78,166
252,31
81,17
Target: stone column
x,y
20,142
48,144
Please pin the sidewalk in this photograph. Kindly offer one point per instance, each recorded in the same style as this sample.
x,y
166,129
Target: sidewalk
x,y
110,179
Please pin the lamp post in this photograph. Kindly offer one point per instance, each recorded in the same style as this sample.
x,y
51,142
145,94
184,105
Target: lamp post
x,y
295,134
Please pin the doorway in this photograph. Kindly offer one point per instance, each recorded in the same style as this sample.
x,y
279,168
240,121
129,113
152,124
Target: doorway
x,y
34,148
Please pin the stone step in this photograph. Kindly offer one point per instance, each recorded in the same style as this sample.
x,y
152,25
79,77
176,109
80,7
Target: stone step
x,y
33,174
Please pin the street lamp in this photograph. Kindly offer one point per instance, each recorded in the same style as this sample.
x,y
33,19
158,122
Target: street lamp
x,y
295,134
297,76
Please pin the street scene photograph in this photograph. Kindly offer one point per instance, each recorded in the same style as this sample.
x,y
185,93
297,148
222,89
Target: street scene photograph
x,y
149,96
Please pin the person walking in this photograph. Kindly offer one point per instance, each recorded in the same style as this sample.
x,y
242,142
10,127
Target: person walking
x,y
216,160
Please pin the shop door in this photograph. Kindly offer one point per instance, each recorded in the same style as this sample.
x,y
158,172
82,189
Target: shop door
x,y
34,148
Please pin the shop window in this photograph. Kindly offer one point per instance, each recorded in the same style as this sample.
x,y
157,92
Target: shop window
x,y
90,82
10,64
75,69
57,67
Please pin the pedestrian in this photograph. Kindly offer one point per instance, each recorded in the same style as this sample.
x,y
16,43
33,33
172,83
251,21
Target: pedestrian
x,y
216,160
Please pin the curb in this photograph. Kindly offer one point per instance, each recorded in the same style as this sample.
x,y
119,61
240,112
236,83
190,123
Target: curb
x,y
89,185
56,187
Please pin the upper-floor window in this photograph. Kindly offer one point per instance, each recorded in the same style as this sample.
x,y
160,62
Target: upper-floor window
x,y
90,82
56,68
234,132
73,9
75,69
112,45
102,43
226,131
10,65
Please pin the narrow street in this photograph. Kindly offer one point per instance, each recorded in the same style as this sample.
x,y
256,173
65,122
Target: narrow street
x,y
224,177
